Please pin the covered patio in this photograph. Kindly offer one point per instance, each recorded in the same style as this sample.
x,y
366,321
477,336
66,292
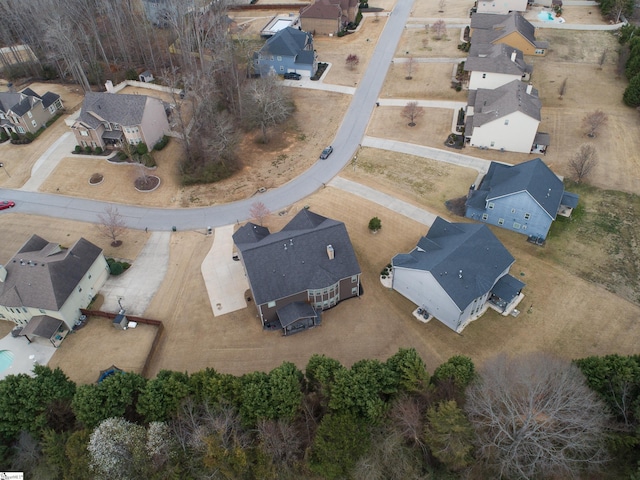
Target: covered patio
x,y
44,326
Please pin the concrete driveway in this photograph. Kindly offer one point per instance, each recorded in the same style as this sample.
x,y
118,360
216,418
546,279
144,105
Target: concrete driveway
x,y
137,286
224,277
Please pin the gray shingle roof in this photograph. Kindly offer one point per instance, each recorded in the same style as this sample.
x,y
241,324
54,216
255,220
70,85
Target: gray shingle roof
x,y
41,275
114,108
295,311
489,105
532,176
496,59
295,259
287,42
21,103
466,259
487,28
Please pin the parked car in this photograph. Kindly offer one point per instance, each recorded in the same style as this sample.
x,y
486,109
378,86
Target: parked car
x,y
292,76
326,152
6,204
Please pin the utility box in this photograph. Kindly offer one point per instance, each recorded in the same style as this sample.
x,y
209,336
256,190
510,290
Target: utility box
x,y
120,322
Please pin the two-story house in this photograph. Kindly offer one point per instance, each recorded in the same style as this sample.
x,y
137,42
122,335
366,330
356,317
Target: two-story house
x,y
456,272
288,51
491,66
26,111
108,120
501,6
44,286
524,198
294,274
512,29
328,17
505,118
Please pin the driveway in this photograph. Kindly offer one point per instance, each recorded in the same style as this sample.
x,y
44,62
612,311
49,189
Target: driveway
x,y
224,278
49,160
136,287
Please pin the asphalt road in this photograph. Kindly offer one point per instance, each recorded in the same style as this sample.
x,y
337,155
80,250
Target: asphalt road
x,y
345,145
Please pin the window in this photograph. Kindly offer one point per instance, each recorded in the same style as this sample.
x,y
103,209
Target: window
x,y
354,291
501,221
2,117
29,114
524,227
516,225
485,216
527,216
540,51
34,123
493,144
84,133
42,311
79,289
282,68
20,130
484,75
271,304
354,279
279,58
272,58
89,276
506,122
491,205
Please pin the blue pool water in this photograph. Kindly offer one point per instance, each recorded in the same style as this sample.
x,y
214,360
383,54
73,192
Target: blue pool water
x,y
546,16
6,359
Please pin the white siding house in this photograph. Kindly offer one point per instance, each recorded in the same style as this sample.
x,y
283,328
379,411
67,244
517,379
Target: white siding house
x,y
505,118
492,66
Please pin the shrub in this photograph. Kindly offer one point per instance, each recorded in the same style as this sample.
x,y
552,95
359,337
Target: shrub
x,y
88,149
78,149
98,151
122,156
131,74
3,136
342,33
142,148
29,136
14,136
161,143
632,94
116,268
375,224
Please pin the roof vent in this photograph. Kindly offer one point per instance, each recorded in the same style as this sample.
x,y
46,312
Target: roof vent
x,y
513,56
330,252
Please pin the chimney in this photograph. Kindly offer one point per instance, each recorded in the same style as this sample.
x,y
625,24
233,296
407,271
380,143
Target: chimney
x,y
3,273
513,56
529,88
330,252
109,86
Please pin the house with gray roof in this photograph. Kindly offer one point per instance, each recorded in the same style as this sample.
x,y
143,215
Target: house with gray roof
x,y
44,285
294,274
491,66
107,120
524,198
26,111
512,29
288,51
502,7
328,17
504,118
456,272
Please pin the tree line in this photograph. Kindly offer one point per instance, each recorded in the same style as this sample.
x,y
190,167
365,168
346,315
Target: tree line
x,y
89,41
530,416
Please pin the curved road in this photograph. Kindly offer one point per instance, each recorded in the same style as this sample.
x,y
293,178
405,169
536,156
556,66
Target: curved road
x,y
345,144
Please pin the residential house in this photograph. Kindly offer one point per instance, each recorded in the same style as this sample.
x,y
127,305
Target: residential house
x,y
491,66
328,17
44,285
26,111
289,50
456,272
294,274
512,29
501,6
108,120
505,118
523,198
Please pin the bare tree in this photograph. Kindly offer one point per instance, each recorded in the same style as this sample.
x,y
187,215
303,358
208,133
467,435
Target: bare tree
x,y
534,416
412,112
112,225
603,57
410,65
352,61
280,440
593,121
583,162
563,88
259,212
267,104
439,29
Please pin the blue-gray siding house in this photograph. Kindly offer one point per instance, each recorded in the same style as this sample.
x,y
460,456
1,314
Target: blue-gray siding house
x,y
456,272
524,198
289,50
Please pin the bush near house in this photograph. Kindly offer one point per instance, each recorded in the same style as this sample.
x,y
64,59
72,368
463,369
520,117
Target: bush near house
x,y
116,267
161,143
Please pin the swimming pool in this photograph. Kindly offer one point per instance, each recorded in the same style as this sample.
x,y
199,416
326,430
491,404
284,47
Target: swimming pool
x,y
6,359
546,16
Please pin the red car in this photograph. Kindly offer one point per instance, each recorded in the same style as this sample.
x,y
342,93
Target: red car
x,y
6,204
